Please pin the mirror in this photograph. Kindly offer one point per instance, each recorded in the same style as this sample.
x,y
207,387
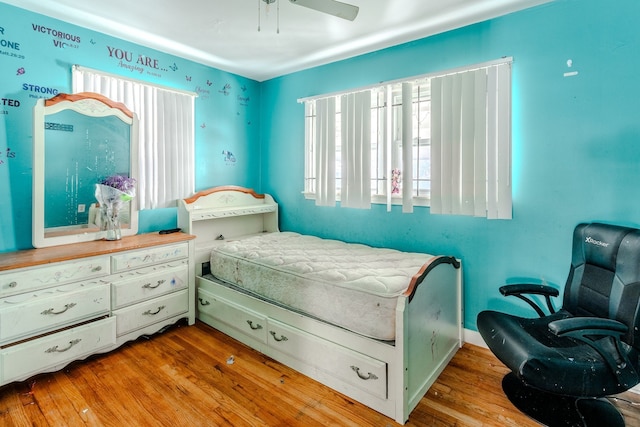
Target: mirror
x,y
79,140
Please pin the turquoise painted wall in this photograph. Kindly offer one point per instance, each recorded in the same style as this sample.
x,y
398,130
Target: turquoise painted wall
x,y
576,140
36,55
576,143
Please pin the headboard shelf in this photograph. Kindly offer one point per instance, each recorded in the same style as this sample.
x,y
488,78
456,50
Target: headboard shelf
x,y
228,211
199,213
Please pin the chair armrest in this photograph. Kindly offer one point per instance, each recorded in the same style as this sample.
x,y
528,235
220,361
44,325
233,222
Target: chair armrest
x,y
588,326
518,290
529,288
603,335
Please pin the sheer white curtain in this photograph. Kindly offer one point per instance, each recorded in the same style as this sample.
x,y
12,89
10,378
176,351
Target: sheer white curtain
x,y
355,130
471,143
325,151
167,134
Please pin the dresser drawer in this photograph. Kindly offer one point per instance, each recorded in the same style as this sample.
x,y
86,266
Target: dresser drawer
x,y
347,365
152,311
139,285
240,318
56,350
29,279
35,312
148,256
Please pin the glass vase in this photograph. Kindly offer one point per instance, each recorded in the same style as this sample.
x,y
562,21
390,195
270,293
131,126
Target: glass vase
x,y
111,201
111,223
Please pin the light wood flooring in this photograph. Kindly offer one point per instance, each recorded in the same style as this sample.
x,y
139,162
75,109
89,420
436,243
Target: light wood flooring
x,y
184,377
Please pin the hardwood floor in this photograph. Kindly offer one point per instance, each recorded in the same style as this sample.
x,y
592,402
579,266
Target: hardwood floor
x,y
188,377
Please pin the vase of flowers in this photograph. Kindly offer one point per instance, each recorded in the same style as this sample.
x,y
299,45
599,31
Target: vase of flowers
x,y
112,193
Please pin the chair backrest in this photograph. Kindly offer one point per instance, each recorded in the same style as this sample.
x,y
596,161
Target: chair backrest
x,y
604,280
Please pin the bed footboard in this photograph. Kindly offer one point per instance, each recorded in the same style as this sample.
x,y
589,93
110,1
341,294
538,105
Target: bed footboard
x,y
429,329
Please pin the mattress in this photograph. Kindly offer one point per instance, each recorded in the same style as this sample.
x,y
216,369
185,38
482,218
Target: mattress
x,y
350,285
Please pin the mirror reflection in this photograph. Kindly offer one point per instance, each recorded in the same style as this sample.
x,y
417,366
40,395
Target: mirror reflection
x,y
81,151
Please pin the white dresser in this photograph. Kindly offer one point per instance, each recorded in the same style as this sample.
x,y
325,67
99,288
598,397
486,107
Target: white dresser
x,y
64,303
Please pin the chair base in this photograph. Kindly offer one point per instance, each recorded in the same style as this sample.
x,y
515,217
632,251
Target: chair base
x,y
554,410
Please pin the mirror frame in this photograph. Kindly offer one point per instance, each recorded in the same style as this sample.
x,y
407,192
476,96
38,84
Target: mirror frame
x,y
92,105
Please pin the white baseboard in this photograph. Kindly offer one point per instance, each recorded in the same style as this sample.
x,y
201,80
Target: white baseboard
x,y
474,337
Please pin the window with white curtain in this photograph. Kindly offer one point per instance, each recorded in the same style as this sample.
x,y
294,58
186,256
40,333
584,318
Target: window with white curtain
x,y
167,133
441,140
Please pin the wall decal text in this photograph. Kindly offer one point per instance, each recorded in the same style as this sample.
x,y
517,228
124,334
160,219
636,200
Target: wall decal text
x,y
7,154
12,46
36,89
138,63
60,38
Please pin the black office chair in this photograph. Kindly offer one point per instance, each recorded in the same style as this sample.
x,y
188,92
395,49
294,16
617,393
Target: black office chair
x,y
565,363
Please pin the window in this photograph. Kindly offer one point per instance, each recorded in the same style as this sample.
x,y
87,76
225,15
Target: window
x,y
167,133
386,136
420,151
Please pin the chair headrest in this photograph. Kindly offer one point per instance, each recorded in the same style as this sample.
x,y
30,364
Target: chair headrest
x,y
598,244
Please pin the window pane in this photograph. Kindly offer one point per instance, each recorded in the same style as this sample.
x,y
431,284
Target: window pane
x,y
422,138
378,147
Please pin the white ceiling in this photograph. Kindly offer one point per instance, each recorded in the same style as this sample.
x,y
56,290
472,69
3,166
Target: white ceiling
x,y
224,33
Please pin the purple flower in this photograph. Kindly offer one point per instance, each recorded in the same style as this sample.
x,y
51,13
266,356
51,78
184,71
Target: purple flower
x,y
120,182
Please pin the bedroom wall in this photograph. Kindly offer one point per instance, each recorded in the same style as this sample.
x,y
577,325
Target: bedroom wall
x,y
36,55
576,143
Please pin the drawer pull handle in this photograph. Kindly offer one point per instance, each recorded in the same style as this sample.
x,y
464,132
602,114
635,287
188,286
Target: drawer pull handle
x,y
52,310
150,286
369,376
153,313
204,302
256,326
96,268
13,284
54,349
282,337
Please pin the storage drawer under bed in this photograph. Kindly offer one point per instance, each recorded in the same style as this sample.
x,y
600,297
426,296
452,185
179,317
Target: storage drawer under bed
x,y
346,365
355,368
235,316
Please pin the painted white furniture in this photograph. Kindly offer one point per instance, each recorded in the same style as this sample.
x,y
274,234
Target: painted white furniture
x,y
65,303
225,212
390,377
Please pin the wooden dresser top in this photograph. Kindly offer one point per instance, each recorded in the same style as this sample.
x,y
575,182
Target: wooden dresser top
x,y
32,257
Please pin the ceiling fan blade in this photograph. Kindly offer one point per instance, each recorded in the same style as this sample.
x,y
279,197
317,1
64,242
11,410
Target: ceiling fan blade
x,y
332,7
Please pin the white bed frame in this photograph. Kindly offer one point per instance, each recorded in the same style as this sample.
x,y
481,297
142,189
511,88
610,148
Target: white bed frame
x,y
390,377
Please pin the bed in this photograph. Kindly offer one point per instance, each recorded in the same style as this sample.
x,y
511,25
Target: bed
x,y
375,324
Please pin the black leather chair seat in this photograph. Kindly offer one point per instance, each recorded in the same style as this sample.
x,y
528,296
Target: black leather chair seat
x,y
561,365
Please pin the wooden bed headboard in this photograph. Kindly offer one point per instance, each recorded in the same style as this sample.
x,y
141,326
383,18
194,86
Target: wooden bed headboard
x,y
226,212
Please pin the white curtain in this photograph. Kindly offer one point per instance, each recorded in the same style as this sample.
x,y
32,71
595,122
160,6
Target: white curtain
x,y
407,147
167,134
471,143
325,151
356,150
